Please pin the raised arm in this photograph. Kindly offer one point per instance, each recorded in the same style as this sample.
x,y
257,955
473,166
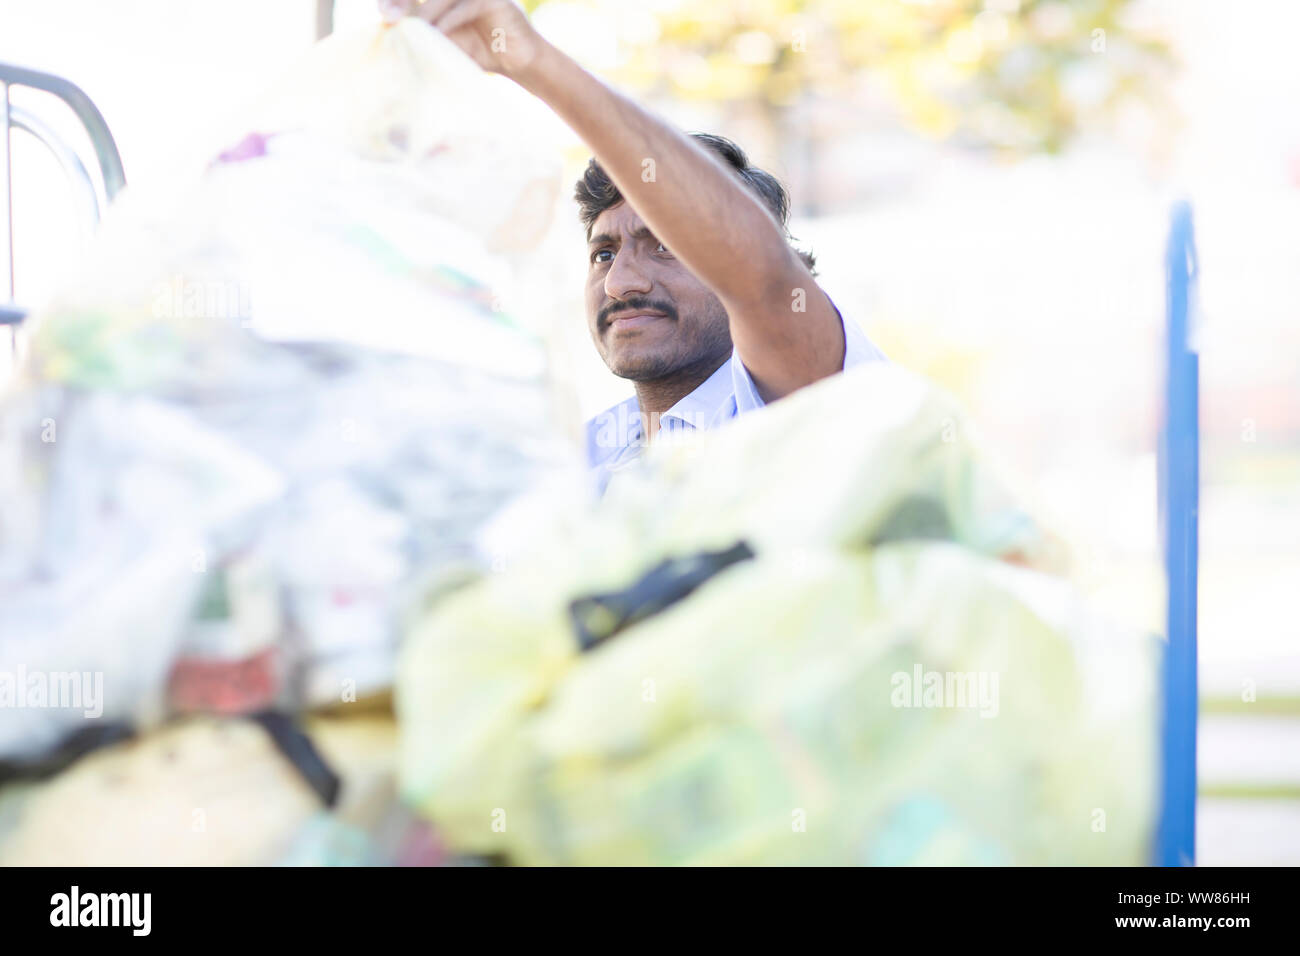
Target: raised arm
x,y
784,327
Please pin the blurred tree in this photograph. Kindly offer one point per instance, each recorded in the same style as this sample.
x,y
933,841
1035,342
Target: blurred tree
x,y
1016,76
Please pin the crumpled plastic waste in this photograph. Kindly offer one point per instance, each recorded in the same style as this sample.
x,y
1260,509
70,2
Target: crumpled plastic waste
x,y
277,407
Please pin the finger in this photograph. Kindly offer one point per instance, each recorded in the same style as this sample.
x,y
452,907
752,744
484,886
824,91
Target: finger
x,y
431,10
466,11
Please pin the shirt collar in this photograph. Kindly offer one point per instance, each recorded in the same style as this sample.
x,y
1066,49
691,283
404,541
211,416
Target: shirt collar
x,y
694,411
700,407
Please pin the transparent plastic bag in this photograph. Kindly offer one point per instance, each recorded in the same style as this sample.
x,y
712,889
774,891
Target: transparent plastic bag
x,y
281,399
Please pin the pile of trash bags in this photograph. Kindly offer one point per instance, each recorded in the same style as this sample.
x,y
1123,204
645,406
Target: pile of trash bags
x,y
299,567
826,634
265,423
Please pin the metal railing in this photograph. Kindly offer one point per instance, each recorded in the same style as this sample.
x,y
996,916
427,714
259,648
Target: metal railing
x,y
101,140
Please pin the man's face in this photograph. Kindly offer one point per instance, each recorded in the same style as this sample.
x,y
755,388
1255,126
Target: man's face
x,y
649,317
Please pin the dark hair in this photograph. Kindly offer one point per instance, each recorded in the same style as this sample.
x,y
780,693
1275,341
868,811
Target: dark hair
x,y
595,192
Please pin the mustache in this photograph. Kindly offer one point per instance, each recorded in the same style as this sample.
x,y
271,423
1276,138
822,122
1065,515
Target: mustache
x,y
637,304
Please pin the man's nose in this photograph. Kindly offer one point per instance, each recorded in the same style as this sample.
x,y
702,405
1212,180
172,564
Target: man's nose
x,y
625,278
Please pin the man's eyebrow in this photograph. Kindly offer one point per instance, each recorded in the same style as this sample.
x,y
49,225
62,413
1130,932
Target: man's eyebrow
x,y
640,232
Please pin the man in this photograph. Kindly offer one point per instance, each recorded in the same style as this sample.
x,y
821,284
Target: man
x,y
694,292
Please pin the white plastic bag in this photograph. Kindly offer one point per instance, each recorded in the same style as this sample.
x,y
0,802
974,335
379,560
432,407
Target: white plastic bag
x,y
283,399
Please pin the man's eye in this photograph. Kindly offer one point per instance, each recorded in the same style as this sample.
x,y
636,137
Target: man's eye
x,y
662,248
596,256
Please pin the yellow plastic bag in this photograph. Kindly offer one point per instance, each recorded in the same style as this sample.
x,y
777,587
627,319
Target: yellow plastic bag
x,y
205,792
915,704
731,658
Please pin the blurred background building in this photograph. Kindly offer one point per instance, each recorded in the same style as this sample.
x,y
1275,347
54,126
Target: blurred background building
x,y
986,184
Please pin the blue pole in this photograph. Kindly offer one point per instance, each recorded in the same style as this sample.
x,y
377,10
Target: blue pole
x,y
1179,497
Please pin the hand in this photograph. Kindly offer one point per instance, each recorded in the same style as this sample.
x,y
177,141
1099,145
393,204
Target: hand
x,y
495,34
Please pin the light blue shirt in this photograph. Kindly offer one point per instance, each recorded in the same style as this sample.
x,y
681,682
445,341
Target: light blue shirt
x,y
614,437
